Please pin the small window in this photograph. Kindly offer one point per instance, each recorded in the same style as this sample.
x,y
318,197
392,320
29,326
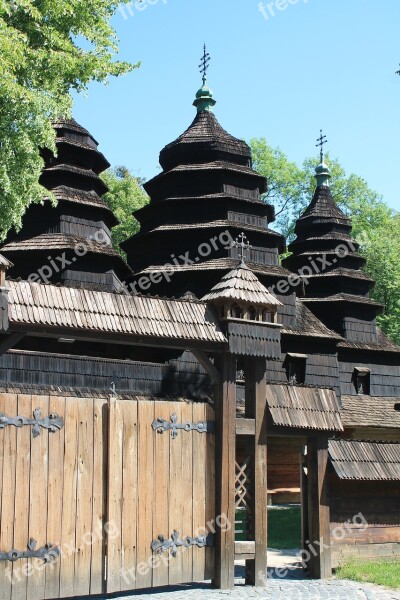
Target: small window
x,y
296,368
362,380
267,316
236,312
253,313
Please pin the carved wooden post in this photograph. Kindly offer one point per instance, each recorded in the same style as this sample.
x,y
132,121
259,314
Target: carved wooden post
x,y
255,407
225,451
320,564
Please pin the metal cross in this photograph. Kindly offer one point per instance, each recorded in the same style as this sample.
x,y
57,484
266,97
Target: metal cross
x,y
322,140
242,245
205,63
397,72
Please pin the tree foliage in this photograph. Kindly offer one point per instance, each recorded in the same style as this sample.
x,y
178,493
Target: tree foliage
x,y
375,225
125,196
48,48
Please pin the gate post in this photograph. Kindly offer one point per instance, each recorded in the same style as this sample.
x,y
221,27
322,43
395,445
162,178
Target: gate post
x,y
256,408
320,564
225,454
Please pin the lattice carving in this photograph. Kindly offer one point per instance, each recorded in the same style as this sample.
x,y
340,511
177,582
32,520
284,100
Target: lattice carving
x,y
243,495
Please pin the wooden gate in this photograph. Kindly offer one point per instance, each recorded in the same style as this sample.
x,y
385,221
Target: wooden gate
x,y
91,497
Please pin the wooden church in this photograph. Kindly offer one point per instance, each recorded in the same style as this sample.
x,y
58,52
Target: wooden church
x,y
143,402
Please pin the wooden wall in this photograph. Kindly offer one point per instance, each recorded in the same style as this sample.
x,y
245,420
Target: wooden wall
x,y
283,471
385,373
377,533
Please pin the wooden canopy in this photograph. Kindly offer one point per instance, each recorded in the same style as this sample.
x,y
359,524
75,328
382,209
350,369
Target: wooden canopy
x,y
370,461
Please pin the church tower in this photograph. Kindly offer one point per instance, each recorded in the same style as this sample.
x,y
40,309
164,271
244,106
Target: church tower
x,y
70,243
205,196
326,255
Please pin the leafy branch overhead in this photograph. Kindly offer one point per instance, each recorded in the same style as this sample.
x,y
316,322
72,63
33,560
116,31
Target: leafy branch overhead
x,y
125,196
48,48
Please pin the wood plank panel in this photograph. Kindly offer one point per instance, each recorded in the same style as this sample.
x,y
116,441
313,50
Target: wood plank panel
x,y
129,414
199,461
55,495
100,450
8,435
115,492
68,509
161,492
175,502
209,486
36,583
146,493
22,484
186,491
84,495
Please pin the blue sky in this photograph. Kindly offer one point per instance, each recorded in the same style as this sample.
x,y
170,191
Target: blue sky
x,y
310,64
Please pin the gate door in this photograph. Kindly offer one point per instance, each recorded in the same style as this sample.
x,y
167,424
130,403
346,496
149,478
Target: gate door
x,y
161,494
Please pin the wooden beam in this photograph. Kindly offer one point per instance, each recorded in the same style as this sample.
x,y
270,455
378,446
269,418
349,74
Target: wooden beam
x,y
9,341
256,407
225,454
245,427
208,366
115,338
318,544
242,548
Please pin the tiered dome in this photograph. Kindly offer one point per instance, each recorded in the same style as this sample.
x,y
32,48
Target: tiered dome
x,y
207,192
325,253
70,243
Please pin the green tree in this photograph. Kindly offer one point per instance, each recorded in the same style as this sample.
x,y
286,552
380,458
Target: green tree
x,y
48,48
375,225
125,196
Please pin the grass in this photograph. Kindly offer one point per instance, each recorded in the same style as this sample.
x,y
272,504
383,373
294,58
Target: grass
x,y
380,572
284,527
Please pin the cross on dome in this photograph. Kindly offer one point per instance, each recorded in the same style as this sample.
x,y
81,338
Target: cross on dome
x,y
204,64
322,140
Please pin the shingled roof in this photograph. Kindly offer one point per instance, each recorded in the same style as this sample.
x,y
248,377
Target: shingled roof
x,y
371,411
304,408
370,461
307,324
79,310
242,285
324,206
205,136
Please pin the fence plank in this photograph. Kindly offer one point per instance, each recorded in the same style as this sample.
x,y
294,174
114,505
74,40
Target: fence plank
x,y
146,493
9,437
84,494
199,491
130,494
21,518
209,484
36,583
186,494
55,495
100,449
175,501
114,492
67,568
161,492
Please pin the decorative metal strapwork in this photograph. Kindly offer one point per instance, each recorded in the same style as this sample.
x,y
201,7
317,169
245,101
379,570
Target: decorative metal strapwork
x,y
53,422
162,544
161,425
48,553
